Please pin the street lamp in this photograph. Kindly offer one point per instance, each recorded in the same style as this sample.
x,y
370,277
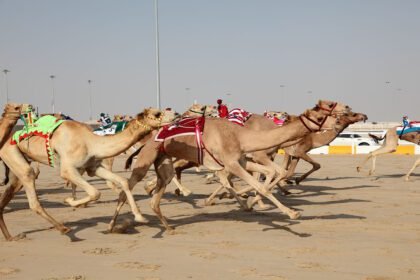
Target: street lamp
x,y
157,54
5,71
90,99
53,93
282,95
187,90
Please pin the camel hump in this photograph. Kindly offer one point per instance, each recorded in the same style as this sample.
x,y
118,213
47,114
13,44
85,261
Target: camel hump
x,y
376,138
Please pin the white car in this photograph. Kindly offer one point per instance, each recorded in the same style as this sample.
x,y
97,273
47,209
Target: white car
x,y
352,138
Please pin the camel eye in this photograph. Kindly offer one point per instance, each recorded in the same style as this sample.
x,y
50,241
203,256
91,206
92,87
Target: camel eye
x,y
331,105
157,115
203,108
319,119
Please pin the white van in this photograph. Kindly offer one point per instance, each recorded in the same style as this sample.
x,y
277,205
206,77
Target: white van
x,y
349,138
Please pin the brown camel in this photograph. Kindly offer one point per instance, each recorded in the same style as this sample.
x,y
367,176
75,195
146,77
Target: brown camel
x,y
314,140
79,150
225,147
389,146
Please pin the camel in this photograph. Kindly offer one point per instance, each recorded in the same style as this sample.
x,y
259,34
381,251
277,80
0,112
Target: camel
x,y
260,122
225,147
389,146
194,110
79,150
9,119
314,140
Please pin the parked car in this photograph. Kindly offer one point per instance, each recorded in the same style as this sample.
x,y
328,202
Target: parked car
x,y
352,138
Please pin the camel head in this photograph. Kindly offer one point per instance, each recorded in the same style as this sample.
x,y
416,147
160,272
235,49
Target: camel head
x,y
354,117
316,120
13,110
331,107
198,110
155,118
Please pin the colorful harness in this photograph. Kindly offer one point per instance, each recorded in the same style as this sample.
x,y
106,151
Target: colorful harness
x,y
44,127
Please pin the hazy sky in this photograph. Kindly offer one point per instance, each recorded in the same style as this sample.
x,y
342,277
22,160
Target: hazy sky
x,y
238,50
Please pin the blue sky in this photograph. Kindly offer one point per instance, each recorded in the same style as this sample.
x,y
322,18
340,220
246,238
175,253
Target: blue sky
x,y
238,50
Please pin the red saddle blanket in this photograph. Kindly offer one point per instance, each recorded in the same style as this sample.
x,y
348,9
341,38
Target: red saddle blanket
x,y
186,126
238,116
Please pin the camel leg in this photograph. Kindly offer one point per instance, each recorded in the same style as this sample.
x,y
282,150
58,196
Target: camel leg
x,y
107,164
177,180
14,186
165,172
6,175
416,163
114,178
225,181
208,201
71,174
236,169
22,170
383,150
147,156
315,167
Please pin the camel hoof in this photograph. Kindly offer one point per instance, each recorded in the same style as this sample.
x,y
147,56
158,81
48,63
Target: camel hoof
x,y
285,192
186,193
294,215
64,230
141,219
18,237
177,192
170,230
69,201
209,202
407,179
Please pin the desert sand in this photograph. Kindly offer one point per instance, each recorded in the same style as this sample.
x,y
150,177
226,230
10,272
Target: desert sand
x,y
352,227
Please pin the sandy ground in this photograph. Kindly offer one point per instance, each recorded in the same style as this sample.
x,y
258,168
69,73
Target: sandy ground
x,y
353,227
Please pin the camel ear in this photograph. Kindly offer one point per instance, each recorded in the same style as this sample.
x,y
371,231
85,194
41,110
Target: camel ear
x,y
141,115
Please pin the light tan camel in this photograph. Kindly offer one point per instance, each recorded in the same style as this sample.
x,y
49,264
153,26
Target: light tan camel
x,y
79,150
389,146
225,147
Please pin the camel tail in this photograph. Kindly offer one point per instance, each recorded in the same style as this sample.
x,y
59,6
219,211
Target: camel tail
x,y
130,159
376,138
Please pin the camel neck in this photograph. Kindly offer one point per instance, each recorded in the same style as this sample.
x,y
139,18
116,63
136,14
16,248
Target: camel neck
x,y
252,141
113,145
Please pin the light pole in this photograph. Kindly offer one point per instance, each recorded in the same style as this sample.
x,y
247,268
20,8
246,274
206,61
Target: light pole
x,y
5,71
90,99
282,95
157,54
53,94
187,90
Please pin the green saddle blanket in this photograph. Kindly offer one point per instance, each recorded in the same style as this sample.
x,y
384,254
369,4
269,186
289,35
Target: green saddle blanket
x,y
43,127
111,129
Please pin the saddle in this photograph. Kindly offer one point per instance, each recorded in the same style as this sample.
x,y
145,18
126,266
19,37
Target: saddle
x,y
238,116
413,127
44,127
183,127
111,129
